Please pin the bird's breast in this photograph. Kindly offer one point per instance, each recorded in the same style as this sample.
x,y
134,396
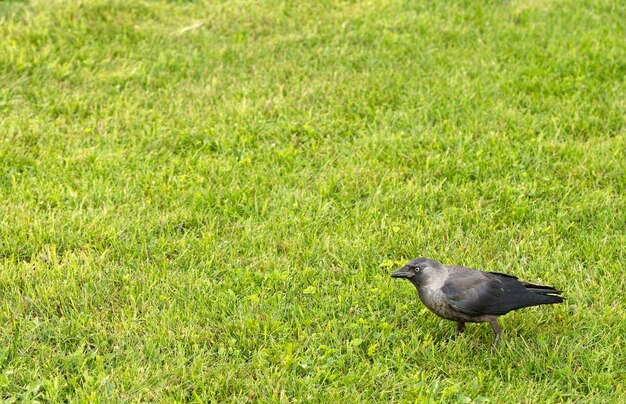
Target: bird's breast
x,y
435,301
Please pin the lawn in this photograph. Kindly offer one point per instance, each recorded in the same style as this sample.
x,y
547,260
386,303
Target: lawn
x,y
204,200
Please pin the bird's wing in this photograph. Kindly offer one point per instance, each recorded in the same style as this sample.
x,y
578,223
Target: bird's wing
x,y
478,293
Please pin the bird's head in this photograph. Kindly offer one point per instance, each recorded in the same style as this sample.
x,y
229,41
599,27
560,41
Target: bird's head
x,y
418,270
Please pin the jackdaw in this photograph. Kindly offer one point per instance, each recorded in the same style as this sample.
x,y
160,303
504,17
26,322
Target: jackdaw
x,y
465,295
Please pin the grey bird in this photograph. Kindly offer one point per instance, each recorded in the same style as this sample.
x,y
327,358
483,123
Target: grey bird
x,y
466,295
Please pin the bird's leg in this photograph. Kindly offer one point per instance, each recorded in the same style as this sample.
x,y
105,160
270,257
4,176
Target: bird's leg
x,y
497,331
460,327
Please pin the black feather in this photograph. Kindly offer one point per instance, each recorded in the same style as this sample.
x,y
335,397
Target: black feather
x,y
478,293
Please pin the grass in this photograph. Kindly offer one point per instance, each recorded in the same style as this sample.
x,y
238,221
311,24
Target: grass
x,y
204,201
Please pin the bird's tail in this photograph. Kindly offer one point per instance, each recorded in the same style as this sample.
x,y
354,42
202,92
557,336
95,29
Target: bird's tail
x,y
546,294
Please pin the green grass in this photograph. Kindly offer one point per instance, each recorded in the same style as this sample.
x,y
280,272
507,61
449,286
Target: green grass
x,y
214,214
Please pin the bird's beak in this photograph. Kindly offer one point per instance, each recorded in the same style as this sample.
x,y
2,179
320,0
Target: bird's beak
x,y
403,272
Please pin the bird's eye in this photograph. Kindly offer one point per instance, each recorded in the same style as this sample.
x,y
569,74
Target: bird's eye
x,y
418,269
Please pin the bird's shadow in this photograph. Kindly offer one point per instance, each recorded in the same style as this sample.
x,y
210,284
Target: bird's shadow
x,y
477,338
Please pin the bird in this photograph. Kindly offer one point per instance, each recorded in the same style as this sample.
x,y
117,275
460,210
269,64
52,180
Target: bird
x,y
467,295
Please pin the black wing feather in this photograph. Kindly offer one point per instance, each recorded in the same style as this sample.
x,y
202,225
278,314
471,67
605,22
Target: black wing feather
x,y
481,293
